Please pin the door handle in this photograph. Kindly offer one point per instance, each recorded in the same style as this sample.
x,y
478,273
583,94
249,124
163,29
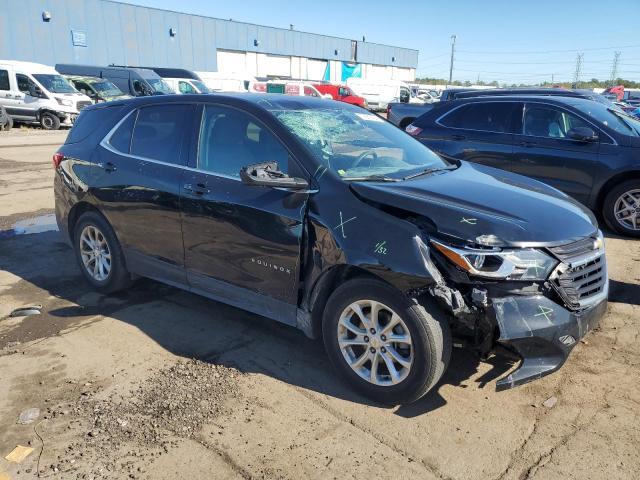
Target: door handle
x,y
108,167
528,144
458,137
199,189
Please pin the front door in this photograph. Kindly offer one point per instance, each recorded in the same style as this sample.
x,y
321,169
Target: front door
x,y
543,150
242,243
137,183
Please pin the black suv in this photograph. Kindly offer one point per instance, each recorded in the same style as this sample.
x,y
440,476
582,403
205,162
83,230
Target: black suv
x,y
582,147
325,217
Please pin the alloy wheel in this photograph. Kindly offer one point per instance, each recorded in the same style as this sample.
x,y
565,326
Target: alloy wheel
x,y
375,342
95,253
627,210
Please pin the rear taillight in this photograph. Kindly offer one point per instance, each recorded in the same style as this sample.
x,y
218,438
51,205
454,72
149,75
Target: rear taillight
x,y
413,130
57,158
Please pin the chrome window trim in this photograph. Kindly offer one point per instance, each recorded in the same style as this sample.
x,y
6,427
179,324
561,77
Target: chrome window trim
x,y
524,104
105,144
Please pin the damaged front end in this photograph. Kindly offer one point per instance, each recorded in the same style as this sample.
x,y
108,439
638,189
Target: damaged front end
x,y
535,302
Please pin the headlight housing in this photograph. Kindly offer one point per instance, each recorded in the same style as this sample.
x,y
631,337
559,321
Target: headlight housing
x,y
512,264
65,102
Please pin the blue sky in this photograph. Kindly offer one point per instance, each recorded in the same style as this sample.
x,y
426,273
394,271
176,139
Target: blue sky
x,y
510,41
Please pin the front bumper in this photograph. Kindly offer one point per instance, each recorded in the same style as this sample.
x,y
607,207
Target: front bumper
x,y
541,331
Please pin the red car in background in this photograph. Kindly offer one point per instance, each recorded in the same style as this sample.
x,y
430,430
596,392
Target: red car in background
x,y
342,93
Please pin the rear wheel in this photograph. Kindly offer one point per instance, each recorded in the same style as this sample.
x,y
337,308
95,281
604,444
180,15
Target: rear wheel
x,y
49,121
390,348
621,208
99,254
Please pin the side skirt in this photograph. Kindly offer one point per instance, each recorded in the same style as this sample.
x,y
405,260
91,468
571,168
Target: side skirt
x,y
212,288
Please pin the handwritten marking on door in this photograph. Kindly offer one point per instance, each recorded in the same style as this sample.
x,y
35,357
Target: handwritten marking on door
x,y
342,224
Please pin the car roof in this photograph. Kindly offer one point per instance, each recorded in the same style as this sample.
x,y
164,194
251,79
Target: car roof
x,y
569,99
267,101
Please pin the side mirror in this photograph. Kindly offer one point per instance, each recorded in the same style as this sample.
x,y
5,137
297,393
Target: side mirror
x,y
267,175
582,134
35,91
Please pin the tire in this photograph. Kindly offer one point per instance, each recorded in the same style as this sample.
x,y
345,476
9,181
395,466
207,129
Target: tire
x,y
117,277
49,121
615,200
8,124
429,335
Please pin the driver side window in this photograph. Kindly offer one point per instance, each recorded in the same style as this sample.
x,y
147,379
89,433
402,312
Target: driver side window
x,y
25,84
231,140
549,122
185,87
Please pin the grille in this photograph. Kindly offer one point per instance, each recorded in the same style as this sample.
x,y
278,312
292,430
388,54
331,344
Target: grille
x,y
579,285
81,105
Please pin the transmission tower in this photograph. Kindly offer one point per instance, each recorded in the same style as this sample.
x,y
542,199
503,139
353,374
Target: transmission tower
x,y
614,68
578,72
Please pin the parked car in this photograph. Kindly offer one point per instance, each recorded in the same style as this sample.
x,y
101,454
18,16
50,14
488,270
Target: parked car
x,y
6,122
325,217
342,93
35,93
401,114
179,79
582,147
379,93
137,82
96,88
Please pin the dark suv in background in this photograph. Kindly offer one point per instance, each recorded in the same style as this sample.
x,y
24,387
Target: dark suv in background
x,y
582,147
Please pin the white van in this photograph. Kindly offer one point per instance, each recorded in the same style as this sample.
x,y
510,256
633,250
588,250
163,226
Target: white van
x,y
225,82
379,93
186,85
36,93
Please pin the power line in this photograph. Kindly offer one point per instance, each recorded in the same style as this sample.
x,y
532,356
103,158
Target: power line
x,y
535,52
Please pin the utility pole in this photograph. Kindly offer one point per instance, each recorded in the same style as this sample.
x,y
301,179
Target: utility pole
x,y
453,49
614,68
578,72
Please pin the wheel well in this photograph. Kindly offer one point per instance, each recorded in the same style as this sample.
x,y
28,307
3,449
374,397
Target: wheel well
x,y
405,122
612,183
325,286
76,211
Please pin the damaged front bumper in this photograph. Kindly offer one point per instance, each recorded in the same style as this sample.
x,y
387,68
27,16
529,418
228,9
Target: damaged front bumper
x,y
541,332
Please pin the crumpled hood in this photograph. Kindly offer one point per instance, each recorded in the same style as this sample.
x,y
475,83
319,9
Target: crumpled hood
x,y
476,200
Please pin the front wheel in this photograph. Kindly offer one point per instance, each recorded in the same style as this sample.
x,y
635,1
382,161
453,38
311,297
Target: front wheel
x,y
621,208
49,121
390,348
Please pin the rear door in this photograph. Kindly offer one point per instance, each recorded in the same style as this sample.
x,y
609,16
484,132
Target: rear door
x,y
242,243
137,184
479,132
543,151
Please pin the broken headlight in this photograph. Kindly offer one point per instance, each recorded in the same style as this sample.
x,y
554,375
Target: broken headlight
x,y
512,264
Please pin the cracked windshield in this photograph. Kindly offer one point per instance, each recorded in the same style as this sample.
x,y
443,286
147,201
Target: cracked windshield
x,y
357,144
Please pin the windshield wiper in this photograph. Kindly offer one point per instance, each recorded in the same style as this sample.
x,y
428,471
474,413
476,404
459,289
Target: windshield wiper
x,y
429,171
372,178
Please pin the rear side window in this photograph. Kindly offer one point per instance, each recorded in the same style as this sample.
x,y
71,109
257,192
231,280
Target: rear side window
x,y
486,116
121,138
4,80
89,121
157,134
